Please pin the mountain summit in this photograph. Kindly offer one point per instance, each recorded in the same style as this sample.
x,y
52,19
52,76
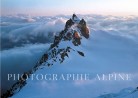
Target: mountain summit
x,y
67,41
75,18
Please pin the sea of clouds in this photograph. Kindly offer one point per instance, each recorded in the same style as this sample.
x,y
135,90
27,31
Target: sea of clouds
x,y
17,30
25,38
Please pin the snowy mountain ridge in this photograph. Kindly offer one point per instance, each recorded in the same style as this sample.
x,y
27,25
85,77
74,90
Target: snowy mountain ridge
x,y
124,93
67,41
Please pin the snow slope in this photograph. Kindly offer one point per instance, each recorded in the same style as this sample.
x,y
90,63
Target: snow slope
x,y
125,93
100,58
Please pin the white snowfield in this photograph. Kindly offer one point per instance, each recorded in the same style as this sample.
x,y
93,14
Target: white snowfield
x,y
124,93
106,51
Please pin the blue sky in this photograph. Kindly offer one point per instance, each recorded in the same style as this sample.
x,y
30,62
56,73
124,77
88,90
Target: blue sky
x,y
54,7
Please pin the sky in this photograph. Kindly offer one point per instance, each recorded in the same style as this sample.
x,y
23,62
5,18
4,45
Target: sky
x,y
56,7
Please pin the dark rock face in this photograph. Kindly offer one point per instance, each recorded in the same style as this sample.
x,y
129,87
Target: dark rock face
x,y
84,29
75,29
69,23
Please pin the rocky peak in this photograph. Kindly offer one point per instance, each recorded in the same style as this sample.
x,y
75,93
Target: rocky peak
x,y
75,18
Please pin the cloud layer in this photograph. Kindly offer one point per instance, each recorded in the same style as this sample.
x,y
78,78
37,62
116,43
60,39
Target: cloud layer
x,y
19,30
112,47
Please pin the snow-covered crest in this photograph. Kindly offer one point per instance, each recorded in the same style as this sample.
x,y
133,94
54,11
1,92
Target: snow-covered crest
x,y
67,41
